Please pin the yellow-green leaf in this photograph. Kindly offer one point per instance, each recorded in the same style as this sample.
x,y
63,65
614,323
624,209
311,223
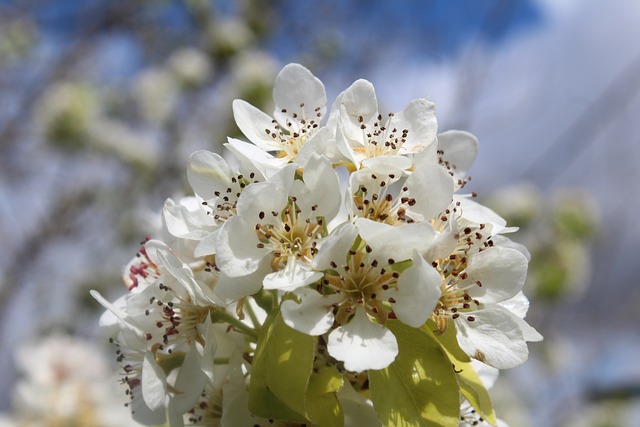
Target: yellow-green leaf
x,y
470,383
419,388
280,371
323,407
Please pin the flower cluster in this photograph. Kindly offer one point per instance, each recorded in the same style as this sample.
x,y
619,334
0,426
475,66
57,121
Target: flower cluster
x,y
331,273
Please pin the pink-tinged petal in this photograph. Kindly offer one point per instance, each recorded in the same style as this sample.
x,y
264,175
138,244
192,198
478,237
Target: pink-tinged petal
x,y
432,189
313,315
460,150
295,275
417,292
493,337
207,173
254,125
362,344
501,272
298,92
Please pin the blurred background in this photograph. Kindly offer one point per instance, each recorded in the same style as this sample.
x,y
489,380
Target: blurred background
x,y
102,102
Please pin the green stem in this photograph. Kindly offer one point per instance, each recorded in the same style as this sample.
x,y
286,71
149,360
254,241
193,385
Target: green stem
x,y
222,317
252,316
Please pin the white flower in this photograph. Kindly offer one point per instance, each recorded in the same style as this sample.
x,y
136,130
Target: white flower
x,y
381,278
476,288
364,135
300,104
218,188
276,230
387,195
65,381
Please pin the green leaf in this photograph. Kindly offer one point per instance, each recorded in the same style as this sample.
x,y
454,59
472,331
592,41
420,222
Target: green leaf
x,y
419,388
280,371
322,403
470,383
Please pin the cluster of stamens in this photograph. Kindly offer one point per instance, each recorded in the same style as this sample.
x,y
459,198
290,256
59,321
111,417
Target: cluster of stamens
x,y
289,235
292,140
361,282
131,362
177,318
208,410
379,140
450,168
141,269
381,205
226,201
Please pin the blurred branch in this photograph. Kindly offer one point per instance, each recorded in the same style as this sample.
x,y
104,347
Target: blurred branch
x,y
582,133
59,222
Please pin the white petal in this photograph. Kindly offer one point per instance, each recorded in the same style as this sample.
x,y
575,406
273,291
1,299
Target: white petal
x,y
313,315
417,292
388,162
501,271
460,150
253,123
295,275
207,172
254,158
182,223
362,344
206,246
395,242
323,142
209,350
237,254
189,382
295,85
432,189
230,289
518,304
504,241
358,100
419,118
122,316
154,383
494,337
358,410
321,189
335,246
479,214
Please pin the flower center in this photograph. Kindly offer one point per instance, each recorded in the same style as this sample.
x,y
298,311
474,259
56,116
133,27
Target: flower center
x,y
381,205
226,200
297,132
361,283
290,236
379,140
